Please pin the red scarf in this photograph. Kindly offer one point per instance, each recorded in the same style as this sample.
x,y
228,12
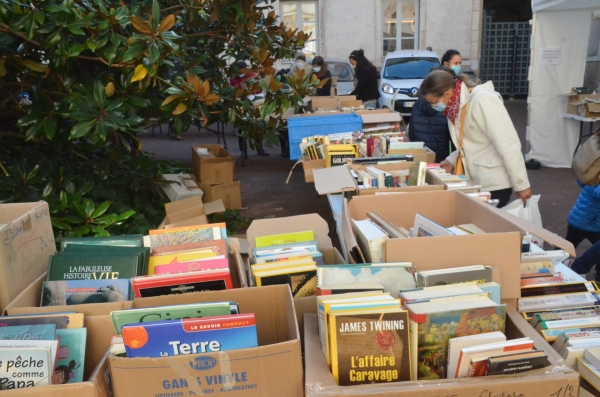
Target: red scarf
x,y
453,107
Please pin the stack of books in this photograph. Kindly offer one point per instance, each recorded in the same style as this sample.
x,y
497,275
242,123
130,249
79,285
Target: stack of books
x,y
289,258
185,259
460,183
315,147
94,269
588,367
41,349
182,329
373,177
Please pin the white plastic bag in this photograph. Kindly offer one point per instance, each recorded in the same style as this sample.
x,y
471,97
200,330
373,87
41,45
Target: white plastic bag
x,y
530,212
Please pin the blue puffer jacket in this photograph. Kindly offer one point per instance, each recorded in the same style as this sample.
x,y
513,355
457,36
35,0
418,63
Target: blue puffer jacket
x,y
585,214
430,126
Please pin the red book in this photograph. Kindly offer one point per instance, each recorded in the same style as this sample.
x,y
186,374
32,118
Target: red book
x,y
180,283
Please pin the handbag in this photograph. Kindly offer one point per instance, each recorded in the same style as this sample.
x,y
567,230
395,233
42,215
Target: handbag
x,y
460,168
586,162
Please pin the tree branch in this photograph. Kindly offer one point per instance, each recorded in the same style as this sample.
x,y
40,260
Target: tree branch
x,y
6,29
104,61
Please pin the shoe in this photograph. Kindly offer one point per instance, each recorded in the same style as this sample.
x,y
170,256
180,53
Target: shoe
x,y
568,262
261,152
176,137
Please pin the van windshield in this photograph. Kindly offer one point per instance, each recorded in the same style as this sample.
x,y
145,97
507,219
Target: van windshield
x,y
409,68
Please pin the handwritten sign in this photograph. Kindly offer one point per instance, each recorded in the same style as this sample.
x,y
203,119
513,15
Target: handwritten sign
x,y
550,56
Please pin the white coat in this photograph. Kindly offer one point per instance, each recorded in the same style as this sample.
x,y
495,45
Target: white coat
x,y
491,148
300,64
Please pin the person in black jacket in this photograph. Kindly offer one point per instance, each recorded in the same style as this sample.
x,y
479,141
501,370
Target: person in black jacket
x,y
320,72
430,126
366,75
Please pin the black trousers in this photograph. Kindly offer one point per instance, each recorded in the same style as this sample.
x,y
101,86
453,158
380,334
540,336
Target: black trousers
x,y
502,195
576,236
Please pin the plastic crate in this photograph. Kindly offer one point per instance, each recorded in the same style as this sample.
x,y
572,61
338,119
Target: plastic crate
x,y
301,127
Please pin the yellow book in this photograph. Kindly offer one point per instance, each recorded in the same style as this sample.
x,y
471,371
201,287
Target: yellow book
x,y
283,239
187,228
301,260
302,279
167,259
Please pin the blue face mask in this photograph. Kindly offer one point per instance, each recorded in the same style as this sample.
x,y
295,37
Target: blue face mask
x,y
316,70
456,68
439,107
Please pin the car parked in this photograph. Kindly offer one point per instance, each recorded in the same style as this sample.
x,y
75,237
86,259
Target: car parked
x,y
401,77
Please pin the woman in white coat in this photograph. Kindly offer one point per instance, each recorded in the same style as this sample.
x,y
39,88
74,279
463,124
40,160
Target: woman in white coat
x,y
490,146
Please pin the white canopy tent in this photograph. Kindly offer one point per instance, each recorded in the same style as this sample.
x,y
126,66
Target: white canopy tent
x,y
559,42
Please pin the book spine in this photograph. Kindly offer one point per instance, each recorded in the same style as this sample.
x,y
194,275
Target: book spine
x,y
558,289
558,301
541,280
574,323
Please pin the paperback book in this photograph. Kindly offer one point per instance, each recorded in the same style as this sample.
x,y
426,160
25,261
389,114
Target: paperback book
x,y
38,370
71,356
61,320
28,332
78,292
181,283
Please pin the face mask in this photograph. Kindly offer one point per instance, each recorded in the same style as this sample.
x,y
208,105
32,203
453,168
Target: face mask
x,y
316,69
241,75
440,106
456,68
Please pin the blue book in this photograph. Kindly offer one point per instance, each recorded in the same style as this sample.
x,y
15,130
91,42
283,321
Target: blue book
x,y
71,355
77,292
28,332
190,336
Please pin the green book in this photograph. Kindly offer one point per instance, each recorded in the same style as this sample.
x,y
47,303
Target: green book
x,y
142,252
388,179
71,355
174,312
97,267
128,240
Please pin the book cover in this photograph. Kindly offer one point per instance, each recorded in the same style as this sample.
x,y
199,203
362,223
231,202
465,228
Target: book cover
x,y
552,334
526,282
62,320
51,345
34,367
190,336
370,348
530,315
557,289
393,276
371,239
187,236
312,246
336,289
143,253
516,363
480,275
558,301
97,267
77,292
174,312
560,341
219,247
181,283
455,346
28,332
584,322
593,356
528,267
424,227
302,280
472,360
284,239
71,356
433,335
179,265
127,240
285,256
563,315
588,372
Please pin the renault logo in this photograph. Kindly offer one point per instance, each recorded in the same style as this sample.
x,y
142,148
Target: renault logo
x,y
413,92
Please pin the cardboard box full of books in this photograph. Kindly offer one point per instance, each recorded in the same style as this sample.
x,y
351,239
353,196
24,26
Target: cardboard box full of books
x,y
27,243
274,368
500,246
212,164
584,105
183,186
557,378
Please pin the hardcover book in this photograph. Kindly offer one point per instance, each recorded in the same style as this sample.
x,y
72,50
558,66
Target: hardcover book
x,y
302,280
28,332
71,356
525,282
336,289
370,347
96,267
178,236
529,315
455,346
558,301
77,292
560,341
516,363
38,371
563,315
424,227
284,239
183,265
128,240
552,334
181,283
61,320
219,247
143,253
556,289
458,275
51,345
168,313
371,240
473,360
190,336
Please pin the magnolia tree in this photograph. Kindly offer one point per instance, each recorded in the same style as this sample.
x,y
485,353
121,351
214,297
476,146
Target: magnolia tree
x,y
79,79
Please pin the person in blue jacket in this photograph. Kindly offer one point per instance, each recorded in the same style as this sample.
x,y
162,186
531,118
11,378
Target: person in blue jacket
x,y
584,223
430,126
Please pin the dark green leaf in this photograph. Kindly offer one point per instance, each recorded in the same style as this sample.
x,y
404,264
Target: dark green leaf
x,y
155,14
80,209
47,190
75,29
60,224
69,187
101,209
50,127
125,215
81,129
64,200
89,208
154,54
99,92
39,16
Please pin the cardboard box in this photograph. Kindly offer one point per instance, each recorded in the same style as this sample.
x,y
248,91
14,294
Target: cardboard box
x,y
27,243
215,170
558,378
499,247
274,369
339,179
424,154
309,167
183,186
189,212
327,103
576,106
381,118
349,103
230,193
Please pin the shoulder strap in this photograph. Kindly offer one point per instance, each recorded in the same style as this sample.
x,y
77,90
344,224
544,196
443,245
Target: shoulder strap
x,y
462,127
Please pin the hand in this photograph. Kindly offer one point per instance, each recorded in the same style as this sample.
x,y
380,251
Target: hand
x,y
355,83
524,195
447,166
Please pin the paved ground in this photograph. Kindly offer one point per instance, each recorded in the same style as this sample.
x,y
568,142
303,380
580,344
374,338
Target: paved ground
x,y
266,194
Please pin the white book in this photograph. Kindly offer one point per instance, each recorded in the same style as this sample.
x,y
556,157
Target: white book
x,y
571,323
582,343
378,174
38,371
571,353
264,259
490,350
562,339
392,230
588,372
424,227
593,356
406,145
568,275
455,345
43,344
555,255
441,291
371,239
580,299
457,231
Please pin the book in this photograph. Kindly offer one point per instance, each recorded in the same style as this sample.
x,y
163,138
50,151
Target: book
x,y
563,315
558,289
51,345
172,312
439,292
588,372
586,389
77,292
180,265
311,246
219,247
301,279
370,347
371,240
393,276
284,264
564,337
284,239
458,275
455,346
417,174
516,363
585,322
143,253
61,320
96,267
344,288
392,230
190,336
28,332
538,256
525,282
550,335
129,240
181,283
424,227
528,267
285,256
440,319
593,356
179,236
570,354
558,301
530,315
569,275
71,356
38,371
482,352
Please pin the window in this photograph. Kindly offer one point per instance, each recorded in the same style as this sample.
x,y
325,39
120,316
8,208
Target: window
x,y
400,25
408,68
340,71
302,15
